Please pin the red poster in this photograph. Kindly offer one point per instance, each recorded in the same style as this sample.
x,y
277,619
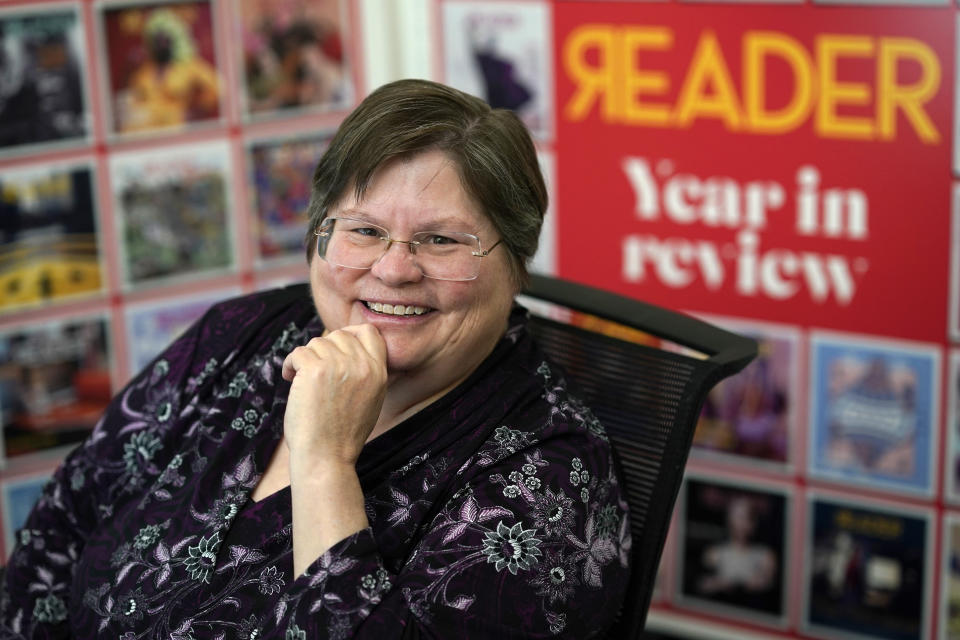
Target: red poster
x,y
790,163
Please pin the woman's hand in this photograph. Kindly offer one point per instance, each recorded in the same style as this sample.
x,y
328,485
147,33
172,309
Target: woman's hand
x,y
337,387
337,390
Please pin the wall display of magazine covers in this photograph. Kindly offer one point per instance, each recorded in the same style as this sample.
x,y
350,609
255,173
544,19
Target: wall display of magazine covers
x,y
55,381
43,95
732,549
160,63
155,158
754,417
49,245
501,51
174,212
280,172
869,573
293,56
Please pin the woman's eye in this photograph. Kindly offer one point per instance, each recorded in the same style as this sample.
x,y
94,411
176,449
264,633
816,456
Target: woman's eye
x,y
368,232
435,238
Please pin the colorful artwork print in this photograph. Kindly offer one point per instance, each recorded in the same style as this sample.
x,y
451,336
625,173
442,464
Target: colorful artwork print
x,y
55,382
19,496
162,70
750,414
42,95
48,235
294,55
733,548
501,52
868,572
173,206
151,327
873,413
281,175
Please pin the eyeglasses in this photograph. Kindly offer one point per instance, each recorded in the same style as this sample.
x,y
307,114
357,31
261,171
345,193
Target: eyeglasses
x,y
441,255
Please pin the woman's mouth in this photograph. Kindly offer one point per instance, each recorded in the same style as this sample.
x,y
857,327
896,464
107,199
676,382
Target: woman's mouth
x,y
395,309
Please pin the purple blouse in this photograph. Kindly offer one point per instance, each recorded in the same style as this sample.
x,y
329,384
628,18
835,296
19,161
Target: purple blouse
x,y
495,512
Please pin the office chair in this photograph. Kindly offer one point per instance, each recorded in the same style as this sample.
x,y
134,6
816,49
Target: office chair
x,y
648,398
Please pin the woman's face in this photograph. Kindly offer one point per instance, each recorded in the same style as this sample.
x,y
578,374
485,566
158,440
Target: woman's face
x,y
464,320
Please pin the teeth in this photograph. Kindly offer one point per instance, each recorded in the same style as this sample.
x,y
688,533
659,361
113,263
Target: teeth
x,y
396,310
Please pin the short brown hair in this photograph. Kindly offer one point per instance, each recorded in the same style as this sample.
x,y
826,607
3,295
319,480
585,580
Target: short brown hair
x,y
491,149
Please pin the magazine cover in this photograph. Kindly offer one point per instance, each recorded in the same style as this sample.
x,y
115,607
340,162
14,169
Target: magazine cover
x,y
152,326
867,571
950,590
42,94
752,414
55,381
873,412
502,53
294,55
733,549
172,206
281,172
161,65
48,235
19,496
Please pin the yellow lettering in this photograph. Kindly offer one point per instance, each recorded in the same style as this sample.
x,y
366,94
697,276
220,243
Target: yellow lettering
x,y
708,69
639,82
829,123
910,98
593,82
758,46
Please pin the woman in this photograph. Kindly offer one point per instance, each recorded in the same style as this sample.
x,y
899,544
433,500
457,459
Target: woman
x,y
392,458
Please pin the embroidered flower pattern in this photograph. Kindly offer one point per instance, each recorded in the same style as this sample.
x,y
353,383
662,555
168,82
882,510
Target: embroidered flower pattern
x,y
511,548
202,558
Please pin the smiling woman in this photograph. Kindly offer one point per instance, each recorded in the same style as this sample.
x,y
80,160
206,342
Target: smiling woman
x,y
388,457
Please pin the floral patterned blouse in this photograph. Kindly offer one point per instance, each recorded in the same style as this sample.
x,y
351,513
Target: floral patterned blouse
x,y
494,512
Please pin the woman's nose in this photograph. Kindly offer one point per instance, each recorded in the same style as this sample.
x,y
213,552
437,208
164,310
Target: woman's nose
x,y
397,265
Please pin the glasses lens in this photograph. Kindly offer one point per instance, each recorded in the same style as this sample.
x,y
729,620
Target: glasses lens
x,y
447,255
355,244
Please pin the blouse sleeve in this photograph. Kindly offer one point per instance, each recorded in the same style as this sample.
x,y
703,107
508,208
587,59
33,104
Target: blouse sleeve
x,y
35,592
534,545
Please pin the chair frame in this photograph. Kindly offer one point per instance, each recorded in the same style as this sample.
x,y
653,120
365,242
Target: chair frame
x,y
725,354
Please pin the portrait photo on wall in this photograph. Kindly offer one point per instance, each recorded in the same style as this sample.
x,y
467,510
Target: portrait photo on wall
x,y
502,52
295,56
152,326
281,172
49,248
950,589
732,548
55,381
19,495
43,99
867,571
172,206
873,412
752,415
161,66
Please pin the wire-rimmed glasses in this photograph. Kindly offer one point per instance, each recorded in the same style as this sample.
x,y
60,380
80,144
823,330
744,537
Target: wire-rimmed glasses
x,y
441,255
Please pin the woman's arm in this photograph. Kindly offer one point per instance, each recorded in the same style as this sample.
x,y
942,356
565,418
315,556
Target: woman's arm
x,y
521,550
337,388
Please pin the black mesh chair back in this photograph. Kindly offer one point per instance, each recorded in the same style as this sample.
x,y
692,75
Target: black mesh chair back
x,y
647,398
